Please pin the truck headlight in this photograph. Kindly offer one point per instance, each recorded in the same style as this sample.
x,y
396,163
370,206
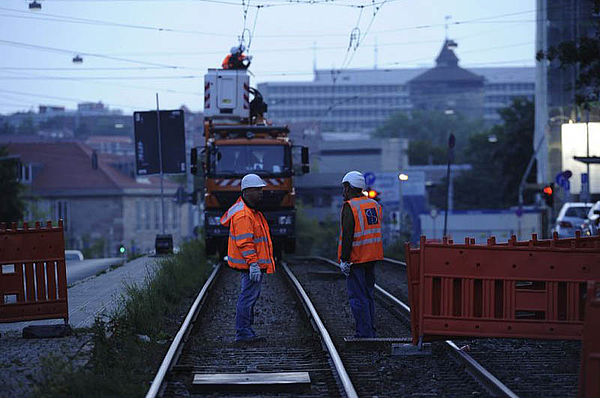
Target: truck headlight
x,y
285,220
214,220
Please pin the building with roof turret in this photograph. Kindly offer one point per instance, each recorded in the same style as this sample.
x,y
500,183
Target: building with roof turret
x,y
361,100
448,87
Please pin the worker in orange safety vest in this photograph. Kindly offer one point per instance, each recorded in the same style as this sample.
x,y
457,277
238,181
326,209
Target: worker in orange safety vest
x,y
360,247
250,250
236,59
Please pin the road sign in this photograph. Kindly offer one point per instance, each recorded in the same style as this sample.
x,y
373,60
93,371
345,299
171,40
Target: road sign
x,y
562,179
172,142
370,178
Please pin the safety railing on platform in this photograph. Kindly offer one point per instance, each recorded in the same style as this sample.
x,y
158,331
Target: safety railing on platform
x,y
589,374
33,280
533,289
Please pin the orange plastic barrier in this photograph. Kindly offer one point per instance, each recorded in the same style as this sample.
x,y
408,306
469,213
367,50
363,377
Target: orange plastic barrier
x,y
33,279
589,374
533,290
588,242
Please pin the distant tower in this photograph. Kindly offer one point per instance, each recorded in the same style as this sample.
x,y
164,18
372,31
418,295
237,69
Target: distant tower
x,y
448,86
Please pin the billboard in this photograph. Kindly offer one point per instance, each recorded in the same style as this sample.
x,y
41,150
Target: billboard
x,y
172,141
574,137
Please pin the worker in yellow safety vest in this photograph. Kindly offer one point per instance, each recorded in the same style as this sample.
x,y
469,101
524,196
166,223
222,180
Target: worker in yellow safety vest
x,y
360,247
250,250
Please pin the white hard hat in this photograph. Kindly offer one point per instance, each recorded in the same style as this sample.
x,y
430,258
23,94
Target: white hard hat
x,y
355,179
234,49
252,181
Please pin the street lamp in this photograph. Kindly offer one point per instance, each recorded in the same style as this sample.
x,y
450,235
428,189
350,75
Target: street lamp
x,y
402,177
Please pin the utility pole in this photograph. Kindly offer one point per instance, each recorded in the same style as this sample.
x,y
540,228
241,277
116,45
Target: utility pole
x,y
162,196
451,143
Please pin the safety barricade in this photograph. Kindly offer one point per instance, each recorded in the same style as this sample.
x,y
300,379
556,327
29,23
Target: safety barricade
x,y
587,242
510,290
589,373
33,280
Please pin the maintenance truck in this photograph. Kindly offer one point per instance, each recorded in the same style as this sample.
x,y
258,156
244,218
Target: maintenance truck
x,y
239,140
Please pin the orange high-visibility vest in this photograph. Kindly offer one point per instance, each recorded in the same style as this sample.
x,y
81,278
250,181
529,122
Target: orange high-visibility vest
x,y
367,244
249,238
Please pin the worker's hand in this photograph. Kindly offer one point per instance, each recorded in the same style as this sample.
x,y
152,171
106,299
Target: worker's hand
x,y
345,267
255,272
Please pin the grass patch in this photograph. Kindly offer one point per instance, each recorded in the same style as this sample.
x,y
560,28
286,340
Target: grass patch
x,y
122,364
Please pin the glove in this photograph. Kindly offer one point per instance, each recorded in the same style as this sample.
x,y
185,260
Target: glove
x,y
345,267
255,272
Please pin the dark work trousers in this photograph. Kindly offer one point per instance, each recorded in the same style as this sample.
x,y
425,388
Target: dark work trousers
x,y
244,311
361,293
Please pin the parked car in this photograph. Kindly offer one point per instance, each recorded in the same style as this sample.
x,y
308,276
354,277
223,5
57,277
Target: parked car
x,y
73,255
570,217
591,226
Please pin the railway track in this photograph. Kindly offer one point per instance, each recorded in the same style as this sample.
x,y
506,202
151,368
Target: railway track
x,y
529,368
447,372
337,365
205,345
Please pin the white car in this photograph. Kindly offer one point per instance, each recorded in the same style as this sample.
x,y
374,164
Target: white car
x,y
570,218
73,255
591,225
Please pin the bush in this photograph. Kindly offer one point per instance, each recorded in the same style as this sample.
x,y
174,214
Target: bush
x,y
121,363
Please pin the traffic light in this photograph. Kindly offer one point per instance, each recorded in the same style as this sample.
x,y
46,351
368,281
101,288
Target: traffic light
x,y
122,249
548,195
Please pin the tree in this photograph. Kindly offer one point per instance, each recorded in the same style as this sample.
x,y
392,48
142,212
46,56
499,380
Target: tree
x,y
428,133
584,53
11,202
498,164
7,128
27,127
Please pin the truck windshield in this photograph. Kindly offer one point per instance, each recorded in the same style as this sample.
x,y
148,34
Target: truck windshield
x,y
243,159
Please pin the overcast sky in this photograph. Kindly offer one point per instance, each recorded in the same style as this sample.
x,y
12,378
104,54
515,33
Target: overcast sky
x,y
132,49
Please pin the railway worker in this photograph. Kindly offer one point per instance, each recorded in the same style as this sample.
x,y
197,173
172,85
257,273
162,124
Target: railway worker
x,y
250,251
236,59
360,247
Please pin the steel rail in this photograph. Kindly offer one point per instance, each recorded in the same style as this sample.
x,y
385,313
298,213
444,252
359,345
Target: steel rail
x,y
394,261
177,343
482,374
335,357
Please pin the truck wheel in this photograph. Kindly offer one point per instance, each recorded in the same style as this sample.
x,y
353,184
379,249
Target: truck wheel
x,y
222,249
277,252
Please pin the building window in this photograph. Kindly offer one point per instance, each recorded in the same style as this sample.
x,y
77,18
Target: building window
x,y
147,214
156,214
26,174
62,212
138,215
176,217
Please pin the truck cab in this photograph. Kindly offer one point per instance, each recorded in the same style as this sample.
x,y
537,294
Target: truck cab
x,y
239,141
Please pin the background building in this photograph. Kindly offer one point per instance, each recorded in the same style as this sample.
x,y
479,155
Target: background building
x,y
558,21
101,207
363,99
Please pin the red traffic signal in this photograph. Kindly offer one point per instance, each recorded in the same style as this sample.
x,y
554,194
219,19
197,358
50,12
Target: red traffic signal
x,y
548,195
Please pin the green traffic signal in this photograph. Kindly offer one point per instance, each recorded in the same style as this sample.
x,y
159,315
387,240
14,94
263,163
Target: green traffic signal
x,y
122,249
